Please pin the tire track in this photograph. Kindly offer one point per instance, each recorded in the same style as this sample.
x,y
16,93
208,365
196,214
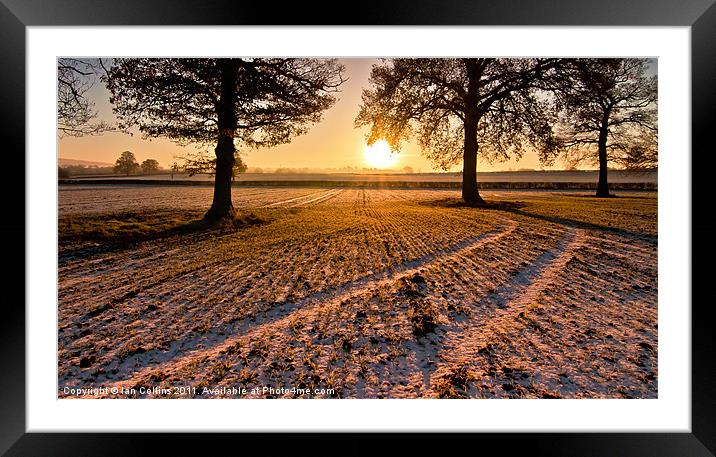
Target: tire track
x,y
332,193
510,301
470,280
210,344
291,200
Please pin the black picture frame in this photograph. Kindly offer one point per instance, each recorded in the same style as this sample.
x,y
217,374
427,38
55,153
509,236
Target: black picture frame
x,y
700,15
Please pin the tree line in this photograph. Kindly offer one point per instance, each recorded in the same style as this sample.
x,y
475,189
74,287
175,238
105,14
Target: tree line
x,y
127,164
458,109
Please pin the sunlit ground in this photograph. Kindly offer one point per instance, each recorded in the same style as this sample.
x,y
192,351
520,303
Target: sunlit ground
x,y
360,293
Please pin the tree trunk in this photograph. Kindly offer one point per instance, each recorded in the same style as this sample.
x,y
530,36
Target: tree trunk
x,y
470,193
221,207
602,185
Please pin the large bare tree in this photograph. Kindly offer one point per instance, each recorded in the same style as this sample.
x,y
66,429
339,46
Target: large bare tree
x,y
457,107
255,102
608,114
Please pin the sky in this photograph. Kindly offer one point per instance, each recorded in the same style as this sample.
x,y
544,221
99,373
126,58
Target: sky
x,y
332,143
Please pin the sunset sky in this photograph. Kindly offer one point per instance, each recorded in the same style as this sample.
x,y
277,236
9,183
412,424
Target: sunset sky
x,y
332,143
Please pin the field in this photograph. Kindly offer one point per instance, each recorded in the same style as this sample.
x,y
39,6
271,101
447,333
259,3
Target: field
x,y
358,293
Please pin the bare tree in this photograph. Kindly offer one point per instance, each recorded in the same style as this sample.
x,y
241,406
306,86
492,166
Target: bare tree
x,y
255,102
608,114
76,113
457,107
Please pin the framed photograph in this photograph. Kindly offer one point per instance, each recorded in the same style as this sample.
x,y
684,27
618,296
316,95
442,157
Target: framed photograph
x,y
476,219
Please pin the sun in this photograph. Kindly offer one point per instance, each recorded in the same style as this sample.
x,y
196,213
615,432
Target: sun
x,y
379,155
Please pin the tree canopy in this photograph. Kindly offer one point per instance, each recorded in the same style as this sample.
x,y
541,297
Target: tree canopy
x,y
252,102
76,113
150,166
608,114
274,99
126,163
455,107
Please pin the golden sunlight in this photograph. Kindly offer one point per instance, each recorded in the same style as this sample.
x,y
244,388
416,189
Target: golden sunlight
x,y
379,155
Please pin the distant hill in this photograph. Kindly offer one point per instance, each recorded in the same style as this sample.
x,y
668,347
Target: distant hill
x,y
82,163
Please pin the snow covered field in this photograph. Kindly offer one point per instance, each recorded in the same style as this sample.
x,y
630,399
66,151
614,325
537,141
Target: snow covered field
x,y
357,293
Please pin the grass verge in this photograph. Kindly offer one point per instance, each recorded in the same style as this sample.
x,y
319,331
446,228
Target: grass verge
x,y
141,226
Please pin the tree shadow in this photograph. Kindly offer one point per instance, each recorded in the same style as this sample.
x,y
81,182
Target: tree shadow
x,y
86,236
460,203
611,196
585,225
517,208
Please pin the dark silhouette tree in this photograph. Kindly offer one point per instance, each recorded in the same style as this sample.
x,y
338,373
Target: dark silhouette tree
x,y
126,164
75,110
457,107
609,114
150,166
255,102
641,154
